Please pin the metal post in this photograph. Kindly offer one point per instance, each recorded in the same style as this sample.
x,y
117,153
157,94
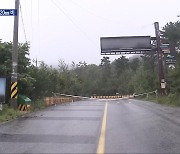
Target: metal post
x,y
147,95
156,92
14,77
160,60
36,62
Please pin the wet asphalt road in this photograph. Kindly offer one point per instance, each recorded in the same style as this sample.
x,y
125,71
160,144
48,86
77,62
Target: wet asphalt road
x,y
132,127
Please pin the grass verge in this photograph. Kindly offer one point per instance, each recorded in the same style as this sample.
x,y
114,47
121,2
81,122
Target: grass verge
x,y
9,113
169,100
38,105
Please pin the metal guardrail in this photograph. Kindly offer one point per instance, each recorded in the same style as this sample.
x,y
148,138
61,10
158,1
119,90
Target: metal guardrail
x,y
62,98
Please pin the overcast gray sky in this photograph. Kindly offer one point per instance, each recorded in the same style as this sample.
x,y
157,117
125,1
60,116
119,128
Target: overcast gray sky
x,y
71,29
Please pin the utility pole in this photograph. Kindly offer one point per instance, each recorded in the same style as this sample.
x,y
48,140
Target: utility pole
x,y
160,61
14,76
36,62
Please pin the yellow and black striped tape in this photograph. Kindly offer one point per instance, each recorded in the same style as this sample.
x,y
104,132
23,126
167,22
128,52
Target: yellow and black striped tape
x,y
106,97
14,90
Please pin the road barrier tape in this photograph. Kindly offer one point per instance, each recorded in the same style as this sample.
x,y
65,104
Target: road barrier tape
x,y
107,97
14,90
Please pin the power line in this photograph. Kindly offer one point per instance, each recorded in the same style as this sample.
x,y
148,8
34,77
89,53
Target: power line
x,y
38,29
104,18
96,15
31,21
23,22
72,21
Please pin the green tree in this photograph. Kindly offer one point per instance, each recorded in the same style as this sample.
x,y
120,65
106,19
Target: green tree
x,y
25,81
5,58
121,64
171,34
134,64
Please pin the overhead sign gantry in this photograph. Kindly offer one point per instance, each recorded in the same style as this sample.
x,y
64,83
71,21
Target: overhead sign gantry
x,y
137,45
126,45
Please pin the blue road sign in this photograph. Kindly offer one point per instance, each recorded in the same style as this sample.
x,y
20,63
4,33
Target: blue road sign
x,y
8,12
164,46
170,57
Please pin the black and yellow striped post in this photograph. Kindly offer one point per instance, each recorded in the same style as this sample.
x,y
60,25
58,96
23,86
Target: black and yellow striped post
x,y
14,90
14,94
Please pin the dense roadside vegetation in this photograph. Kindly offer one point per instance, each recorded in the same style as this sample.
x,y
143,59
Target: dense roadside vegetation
x,y
123,76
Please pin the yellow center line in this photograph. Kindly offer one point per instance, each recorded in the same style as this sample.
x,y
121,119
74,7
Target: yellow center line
x,y
101,144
